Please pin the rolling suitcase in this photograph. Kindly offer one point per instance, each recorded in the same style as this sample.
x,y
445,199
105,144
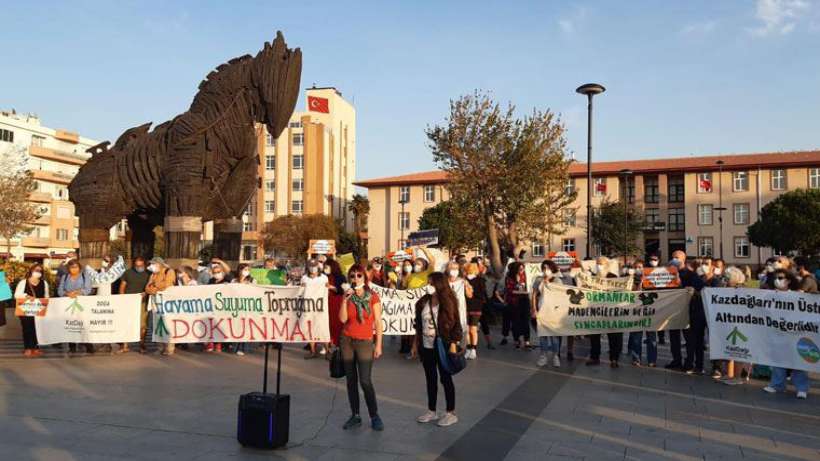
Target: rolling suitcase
x,y
263,419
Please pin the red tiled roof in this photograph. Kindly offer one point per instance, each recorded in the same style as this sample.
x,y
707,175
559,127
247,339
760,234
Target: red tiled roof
x,y
664,165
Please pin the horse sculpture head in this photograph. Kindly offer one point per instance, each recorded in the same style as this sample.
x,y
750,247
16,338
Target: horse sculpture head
x,y
271,74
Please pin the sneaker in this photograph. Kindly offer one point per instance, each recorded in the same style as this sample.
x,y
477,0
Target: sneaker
x,y
716,374
473,354
556,361
770,390
636,363
695,371
353,421
448,419
802,395
542,360
322,351
428,417
652,365
376,423
240,353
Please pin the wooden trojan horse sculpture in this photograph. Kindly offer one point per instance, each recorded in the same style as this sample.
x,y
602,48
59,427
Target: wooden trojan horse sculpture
x,y
200,166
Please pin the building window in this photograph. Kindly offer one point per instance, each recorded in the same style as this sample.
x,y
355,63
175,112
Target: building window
x,y
62,234
404,220
630,190
270,185
814,178
248,252
249,225
6,135
741,213
569,187
675,187
298,185
778,179
706,246
704,183
677,219
568,245
269,140
741,247
37,140
297,124
270,162
298,139
429,193
62,193
705,214
296,207
404,194
652,215
537,249
650,189
740,181
269,206
599,189
298,162
569,218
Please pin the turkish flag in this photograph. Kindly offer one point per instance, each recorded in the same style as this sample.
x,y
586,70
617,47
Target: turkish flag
x,y
706,185
600,187
318,104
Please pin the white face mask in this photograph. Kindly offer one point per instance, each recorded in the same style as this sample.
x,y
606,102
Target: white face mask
x,y
246,272
470,276
327,270
314,269
547,273
153,268
104,264
769,268
321,266
453,273
219,276
377,267
717,271
700,270
418,268
631,271
601,269
781,284
408,269
36,275
653,263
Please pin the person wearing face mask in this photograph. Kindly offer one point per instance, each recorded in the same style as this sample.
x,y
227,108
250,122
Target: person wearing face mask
x,y
220,274
518,305
550,345
807,283
376,274
678,262
476,305
405,269
186,277
783,280
243,275
314,278
32,287
422,268
133,281
636,337
75,283
765,275
104,289
162,277
616,340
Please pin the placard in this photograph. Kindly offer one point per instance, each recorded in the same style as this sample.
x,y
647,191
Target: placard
x,y
269,276
589,281
31,307
90,319
660,277
322,247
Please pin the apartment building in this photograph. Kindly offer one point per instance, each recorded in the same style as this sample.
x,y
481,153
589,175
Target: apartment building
x,y
683,200
54,156
309,169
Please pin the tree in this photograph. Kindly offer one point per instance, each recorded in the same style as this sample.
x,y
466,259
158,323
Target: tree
x,y
511,171
360,207
16,184
614,232
791,222
291,234
456,230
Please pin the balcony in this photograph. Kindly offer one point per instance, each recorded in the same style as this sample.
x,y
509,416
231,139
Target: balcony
x,y
67,136
36,242
52,176
57,155
40,197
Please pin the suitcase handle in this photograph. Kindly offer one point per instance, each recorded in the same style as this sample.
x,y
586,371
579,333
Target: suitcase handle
x,y
278,347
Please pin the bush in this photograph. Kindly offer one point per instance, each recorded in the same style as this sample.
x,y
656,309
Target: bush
x,y
16,271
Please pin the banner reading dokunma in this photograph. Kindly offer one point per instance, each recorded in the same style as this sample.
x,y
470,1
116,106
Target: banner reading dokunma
x,y
589,281
767,327
90,319
236,312
571,311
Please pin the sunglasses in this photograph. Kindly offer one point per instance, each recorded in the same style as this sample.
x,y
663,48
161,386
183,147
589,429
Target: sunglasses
x,y
357,276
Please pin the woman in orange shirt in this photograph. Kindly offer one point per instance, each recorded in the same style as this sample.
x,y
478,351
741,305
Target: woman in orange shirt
x,y
361,317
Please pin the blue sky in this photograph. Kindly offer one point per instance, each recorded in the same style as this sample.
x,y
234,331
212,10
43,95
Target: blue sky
x,y
682,78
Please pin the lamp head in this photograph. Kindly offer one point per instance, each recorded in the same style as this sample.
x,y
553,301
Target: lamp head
x,y
590,89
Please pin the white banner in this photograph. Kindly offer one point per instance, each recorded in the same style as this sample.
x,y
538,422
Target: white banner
x,y
90,319
767,327
107,277
398,309
571,311
589,281
235,312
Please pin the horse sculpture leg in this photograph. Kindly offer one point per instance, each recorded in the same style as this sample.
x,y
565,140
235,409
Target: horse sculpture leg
x,y
183,236
141,235
228,240
94,245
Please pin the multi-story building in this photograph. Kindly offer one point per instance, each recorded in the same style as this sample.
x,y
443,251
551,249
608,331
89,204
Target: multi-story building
x,y
683,200
54,156
309,169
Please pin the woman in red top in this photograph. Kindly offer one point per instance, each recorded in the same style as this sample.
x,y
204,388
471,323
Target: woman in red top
x,y
361,317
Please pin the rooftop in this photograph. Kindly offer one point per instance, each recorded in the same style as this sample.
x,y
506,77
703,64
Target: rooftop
x,y
665,165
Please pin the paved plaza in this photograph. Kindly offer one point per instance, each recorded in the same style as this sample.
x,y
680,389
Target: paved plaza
x,y
184,408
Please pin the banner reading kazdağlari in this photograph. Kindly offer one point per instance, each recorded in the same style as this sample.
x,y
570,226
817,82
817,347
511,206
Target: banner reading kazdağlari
x,y
572,311
767,327
90,319
235,312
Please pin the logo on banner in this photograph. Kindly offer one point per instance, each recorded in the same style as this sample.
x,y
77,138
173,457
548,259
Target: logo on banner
x,y
735,335
74,308
808,350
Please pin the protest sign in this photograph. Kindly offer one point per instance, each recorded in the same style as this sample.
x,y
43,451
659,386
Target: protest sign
x,y
533,271
90,319
398,309
236,312
322,247
105,278
589,281
571,311
396,257
767,327
565,260
346,261
5,289
31,307
423,237
269,276
461,297
660,277
613,266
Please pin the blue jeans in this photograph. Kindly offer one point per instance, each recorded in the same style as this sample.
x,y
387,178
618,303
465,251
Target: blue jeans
x,y
550,344
800,379
634,346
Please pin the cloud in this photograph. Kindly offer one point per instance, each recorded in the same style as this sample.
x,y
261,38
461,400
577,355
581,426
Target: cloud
x,y
699,28
779,17
573,21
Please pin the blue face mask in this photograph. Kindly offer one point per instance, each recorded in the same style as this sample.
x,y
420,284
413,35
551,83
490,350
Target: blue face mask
x,y
139,269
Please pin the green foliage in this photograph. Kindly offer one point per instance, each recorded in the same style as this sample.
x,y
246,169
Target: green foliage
x,y
791,222
16,185
16,271
612,234
291,234
457,229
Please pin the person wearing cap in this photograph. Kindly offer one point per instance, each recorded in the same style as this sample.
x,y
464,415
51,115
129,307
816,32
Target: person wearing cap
x,y
134,281
162,277
376,274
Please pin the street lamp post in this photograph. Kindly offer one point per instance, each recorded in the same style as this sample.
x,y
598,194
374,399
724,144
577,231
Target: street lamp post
x,y
720,207
589,90
401,224
625,174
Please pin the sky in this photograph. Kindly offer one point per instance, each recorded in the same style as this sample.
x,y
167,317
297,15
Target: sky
x,y
682,78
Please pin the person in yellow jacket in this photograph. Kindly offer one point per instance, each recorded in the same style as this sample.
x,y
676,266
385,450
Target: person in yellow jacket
x,y
422,268
162,277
